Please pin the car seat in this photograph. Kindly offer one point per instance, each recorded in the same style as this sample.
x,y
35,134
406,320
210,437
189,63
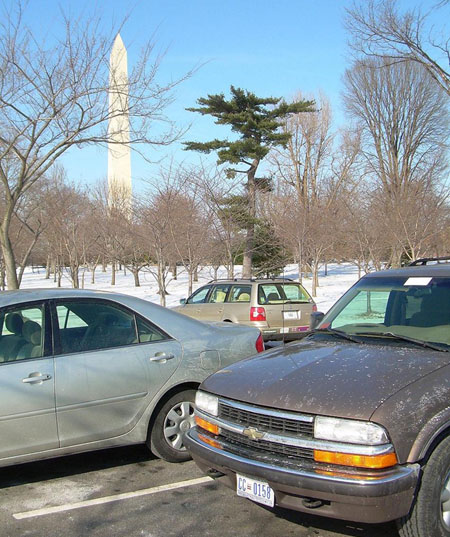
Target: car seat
x,y
11,344
434,309
32,333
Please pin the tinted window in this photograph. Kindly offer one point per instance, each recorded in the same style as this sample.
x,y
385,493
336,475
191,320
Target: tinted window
x,y
22,333
368,307
417,308
90,325
147,332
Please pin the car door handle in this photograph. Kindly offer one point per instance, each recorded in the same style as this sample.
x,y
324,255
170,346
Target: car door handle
x,y
161,357
36,378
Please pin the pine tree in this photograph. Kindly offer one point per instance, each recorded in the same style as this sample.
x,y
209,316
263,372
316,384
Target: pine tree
x,y
257,122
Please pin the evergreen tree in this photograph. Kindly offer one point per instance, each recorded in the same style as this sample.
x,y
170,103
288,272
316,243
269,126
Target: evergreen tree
x,y
257,123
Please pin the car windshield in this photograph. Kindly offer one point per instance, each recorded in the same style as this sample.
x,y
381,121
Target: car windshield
x,y
280,293
415,309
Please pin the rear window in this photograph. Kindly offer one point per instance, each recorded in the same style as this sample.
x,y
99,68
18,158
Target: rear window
x,y
280,293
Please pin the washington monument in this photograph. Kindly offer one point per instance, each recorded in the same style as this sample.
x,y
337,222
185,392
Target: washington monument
x,y
119,158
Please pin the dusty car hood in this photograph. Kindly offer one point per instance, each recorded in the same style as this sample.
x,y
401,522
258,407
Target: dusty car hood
x,y
320,377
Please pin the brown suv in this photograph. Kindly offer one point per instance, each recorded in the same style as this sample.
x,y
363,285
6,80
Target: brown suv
x,y
353,421
275,306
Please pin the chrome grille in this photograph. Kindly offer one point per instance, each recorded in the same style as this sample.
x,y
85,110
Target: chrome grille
x,y
273,447
265,422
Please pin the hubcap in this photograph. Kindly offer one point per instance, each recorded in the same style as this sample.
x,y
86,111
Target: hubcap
x,y
179,419
445,502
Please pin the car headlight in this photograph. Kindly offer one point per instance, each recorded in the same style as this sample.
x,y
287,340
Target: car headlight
x,y
207,403
349,431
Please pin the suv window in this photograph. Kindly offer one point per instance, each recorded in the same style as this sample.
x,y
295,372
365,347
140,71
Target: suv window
x,y
395,306
22,333
94,325
367,307
199,296
240,293
219,293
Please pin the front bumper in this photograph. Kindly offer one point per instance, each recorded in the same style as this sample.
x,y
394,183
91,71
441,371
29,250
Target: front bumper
x,y
371,497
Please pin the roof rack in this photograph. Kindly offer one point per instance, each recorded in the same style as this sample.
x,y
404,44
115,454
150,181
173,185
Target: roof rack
x,y
250,279
426,260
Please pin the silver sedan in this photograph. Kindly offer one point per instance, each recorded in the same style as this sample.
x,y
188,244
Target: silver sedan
x,y
84,370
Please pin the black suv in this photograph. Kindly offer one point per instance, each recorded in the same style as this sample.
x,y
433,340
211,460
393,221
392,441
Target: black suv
x,y
353,421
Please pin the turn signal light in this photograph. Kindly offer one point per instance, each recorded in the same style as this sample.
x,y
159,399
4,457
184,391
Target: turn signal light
x,y
206,425
210,441
359,461
257,314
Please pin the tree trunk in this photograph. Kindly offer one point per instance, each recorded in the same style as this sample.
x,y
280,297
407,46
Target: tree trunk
x,y
190,281
135,272
161,284
74,274
2,276
59,271
26,257
113,273
12,281
250,230
47,268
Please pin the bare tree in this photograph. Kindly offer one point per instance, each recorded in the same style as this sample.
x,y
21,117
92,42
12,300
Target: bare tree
x,y
54,96
70,231
189,225
403,118
379,29
312,177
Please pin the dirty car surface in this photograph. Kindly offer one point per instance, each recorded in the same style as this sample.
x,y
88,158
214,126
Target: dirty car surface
x,y
85,370
354,421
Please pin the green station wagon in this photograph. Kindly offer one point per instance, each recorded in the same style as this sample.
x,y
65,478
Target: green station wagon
x,y
275,306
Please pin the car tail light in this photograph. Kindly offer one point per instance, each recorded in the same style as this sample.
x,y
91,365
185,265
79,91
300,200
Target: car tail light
x,y
259,344
257,314
314,308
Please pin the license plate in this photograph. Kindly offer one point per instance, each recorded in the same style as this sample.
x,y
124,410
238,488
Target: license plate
x,y
255,490
291,315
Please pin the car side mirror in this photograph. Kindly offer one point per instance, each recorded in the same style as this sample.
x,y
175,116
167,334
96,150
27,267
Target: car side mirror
x,y
316,319
183,301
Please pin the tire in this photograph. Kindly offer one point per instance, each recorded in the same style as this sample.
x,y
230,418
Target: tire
x,y
430,514
174,418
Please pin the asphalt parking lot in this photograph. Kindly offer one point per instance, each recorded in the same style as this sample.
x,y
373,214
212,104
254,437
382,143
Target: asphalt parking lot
x,y
126,492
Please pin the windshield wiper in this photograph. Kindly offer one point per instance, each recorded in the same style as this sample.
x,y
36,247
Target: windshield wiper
x,y
420,342
338,333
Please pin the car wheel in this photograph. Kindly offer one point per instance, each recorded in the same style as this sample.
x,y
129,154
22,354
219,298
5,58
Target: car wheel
x,y
174,418
430,514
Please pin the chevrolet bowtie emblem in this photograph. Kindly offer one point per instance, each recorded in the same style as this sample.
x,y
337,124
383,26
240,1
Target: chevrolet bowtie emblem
x,y
253,433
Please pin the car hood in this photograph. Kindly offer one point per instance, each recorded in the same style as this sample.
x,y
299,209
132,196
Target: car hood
x,y
342,380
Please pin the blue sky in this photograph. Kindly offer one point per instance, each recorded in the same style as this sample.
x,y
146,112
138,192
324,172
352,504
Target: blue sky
x,y
270,47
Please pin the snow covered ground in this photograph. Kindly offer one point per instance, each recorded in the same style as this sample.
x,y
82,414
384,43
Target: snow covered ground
x,y
338,279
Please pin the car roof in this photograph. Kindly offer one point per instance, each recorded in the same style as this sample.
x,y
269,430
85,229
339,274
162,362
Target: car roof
x,y
437,270
31,295
252,280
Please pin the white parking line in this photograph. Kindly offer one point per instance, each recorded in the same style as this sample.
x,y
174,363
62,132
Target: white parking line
x,y
109,499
